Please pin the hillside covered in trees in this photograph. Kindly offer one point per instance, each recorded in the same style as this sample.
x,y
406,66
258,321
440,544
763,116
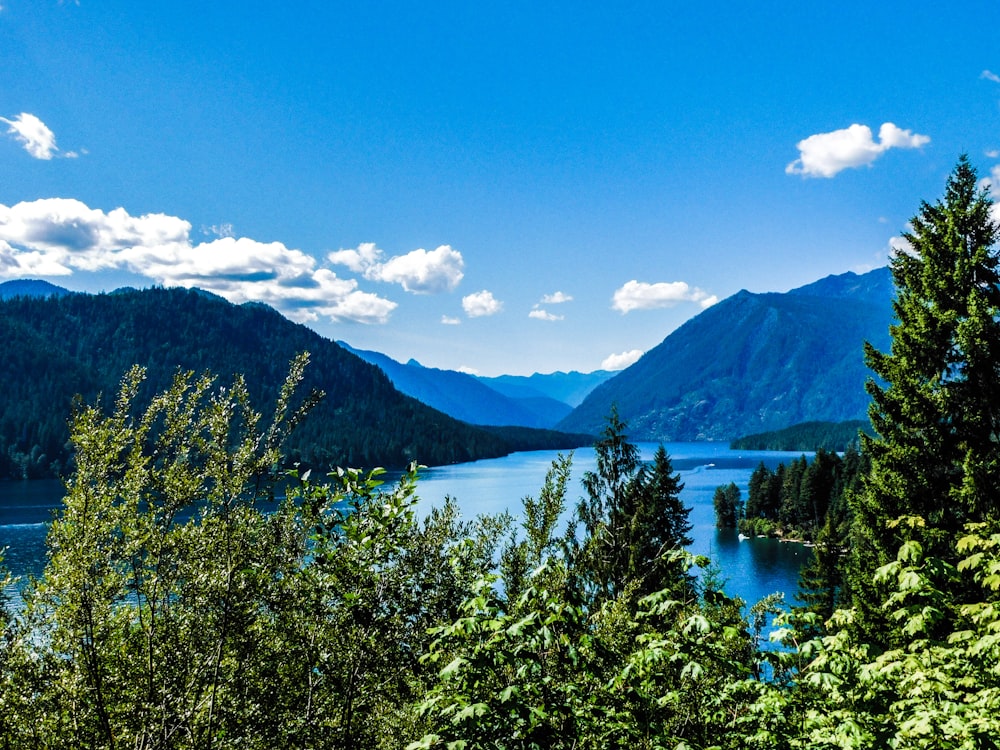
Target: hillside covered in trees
x,y
753,363
61,345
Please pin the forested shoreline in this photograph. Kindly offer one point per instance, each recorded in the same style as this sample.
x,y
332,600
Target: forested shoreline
x,y
182,606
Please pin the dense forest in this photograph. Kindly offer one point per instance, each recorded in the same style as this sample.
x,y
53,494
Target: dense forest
x,y
58,347
182,606
807,436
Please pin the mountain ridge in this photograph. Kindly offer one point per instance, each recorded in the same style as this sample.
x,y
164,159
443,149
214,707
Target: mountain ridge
x,y
58,346
751,363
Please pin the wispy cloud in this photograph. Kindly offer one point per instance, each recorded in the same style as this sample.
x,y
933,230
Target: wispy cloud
x,y
60,236
621,361
34,135
447,320
639,295
419,271
556,298
989,75
827,154
539,313
481,304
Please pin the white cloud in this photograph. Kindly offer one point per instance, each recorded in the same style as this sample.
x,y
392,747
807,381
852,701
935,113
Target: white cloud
x,y
556,298
539,314
418,271
34,135
992,154
826,154
59,236
638,295
989,75
219,230
899,245
468,370
481,304
993,185
447,320
621,361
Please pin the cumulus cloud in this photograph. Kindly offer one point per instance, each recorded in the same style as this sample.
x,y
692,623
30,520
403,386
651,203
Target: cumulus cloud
x,y
481,304
638,295
827,154
33,134
59,236
556,298
989,75
418,271
621,361
539,314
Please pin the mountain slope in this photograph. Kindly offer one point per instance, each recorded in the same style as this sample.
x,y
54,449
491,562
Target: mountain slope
x,y
79,343
752,363
463,396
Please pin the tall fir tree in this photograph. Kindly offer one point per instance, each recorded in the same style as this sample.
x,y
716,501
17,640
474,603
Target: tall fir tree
x,y
936,411
632,516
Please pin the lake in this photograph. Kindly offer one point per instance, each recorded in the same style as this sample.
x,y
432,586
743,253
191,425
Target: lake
x,y
752,568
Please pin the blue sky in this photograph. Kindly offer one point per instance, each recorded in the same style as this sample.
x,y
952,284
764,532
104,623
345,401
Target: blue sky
x,y
502,188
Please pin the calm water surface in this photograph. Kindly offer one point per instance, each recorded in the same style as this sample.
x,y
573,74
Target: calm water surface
x,y
751,568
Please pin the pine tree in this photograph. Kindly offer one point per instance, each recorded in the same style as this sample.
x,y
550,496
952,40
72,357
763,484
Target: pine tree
x,y
632,516
936,453
659,524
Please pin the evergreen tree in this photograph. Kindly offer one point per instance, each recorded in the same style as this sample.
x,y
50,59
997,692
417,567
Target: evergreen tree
x,y
659,524
728,506
936,454
632,516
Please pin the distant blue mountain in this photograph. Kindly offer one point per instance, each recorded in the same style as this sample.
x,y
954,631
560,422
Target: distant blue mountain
x,y
30,288
569,387
753,363
463,396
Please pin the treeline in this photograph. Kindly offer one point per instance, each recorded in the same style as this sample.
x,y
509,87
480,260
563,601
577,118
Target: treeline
x,y
835,437
797,500
58,347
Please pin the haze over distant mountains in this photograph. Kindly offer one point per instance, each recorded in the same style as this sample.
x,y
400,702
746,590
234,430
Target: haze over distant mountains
x,y
752,363
529,401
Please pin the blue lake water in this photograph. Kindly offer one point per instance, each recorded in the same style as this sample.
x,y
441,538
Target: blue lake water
x,y
752,568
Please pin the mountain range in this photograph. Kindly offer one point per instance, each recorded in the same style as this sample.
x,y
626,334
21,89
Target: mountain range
x,y
751,363
529,401
59,345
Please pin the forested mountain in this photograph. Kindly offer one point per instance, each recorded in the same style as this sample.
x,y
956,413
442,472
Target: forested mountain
x,y
30,288
753,363
466,397
58,346
568,387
